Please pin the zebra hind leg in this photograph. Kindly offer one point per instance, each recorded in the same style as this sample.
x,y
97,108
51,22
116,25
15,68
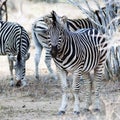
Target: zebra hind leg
x,y
64,85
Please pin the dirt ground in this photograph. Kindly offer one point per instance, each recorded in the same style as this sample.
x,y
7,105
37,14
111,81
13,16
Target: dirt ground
x,y
40,100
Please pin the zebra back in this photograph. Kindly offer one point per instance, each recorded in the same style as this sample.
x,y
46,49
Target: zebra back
x,y
39,32
75,24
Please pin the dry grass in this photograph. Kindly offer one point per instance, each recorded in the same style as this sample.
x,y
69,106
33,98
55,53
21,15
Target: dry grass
x,y
40,100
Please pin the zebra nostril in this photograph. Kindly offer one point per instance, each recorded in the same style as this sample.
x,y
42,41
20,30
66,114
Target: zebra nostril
x,y
53,53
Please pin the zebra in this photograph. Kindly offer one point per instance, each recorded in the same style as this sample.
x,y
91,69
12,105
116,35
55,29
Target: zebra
x,y
40,42
39,35
76,52
15,42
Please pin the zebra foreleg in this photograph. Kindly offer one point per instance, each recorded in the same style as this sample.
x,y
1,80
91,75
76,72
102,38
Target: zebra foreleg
x,y
48,64
64,85
76,87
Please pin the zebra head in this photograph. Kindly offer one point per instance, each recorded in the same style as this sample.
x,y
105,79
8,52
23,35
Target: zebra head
x,y
20,68
55,27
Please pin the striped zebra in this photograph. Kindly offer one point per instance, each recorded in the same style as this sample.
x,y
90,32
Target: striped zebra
x,y
15,42
39,35
76,52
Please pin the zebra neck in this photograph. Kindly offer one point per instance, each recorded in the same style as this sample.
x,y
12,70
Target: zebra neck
x,y
67,45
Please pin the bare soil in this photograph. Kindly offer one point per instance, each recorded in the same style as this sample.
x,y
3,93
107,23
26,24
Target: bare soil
x,y
40,100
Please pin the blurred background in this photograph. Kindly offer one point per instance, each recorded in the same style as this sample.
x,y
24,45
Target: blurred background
x,y
26,12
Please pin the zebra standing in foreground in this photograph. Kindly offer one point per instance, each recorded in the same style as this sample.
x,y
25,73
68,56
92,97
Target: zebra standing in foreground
x,y
15,42
76,52
39,35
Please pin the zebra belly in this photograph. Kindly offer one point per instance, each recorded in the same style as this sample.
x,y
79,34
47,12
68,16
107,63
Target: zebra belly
x,y
68,66
84,62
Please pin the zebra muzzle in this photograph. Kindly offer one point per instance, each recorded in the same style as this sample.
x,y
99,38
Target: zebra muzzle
x,y
54,51
19,83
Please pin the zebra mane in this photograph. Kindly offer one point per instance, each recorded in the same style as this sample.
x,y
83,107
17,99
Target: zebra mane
x,y
19,52
53,13
19,56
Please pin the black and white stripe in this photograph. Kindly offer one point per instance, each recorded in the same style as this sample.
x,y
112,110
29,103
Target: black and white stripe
x,y
15,42
76,52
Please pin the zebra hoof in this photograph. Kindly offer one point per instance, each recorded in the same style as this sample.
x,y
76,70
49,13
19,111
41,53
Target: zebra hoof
x,y
61,112
76,112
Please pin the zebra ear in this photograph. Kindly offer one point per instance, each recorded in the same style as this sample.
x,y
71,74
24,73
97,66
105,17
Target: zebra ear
x,y
64,19
47,20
